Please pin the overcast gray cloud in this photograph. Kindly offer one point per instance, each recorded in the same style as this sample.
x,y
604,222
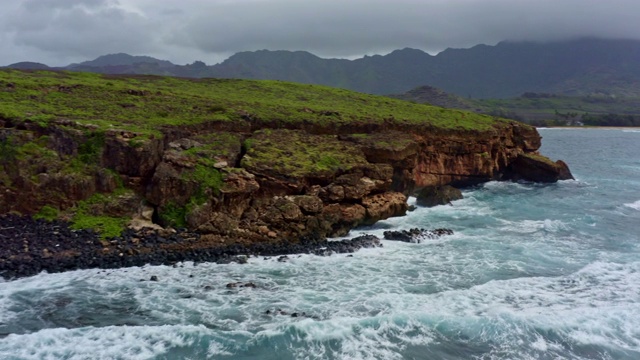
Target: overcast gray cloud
x,y
57,32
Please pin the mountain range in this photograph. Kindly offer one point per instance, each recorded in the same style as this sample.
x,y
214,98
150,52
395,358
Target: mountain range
x,y
508,69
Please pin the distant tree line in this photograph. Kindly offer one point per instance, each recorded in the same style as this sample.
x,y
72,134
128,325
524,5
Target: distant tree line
x,y
591,120
506,114
611,120
548,123
534,95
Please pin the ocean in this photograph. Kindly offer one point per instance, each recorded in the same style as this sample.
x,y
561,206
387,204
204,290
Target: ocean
x,y
532,271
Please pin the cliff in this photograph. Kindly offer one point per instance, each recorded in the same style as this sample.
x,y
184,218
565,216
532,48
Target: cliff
x,y
237,162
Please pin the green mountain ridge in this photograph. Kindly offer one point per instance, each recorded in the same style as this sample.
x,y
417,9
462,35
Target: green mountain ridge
x,y
508,69
121,59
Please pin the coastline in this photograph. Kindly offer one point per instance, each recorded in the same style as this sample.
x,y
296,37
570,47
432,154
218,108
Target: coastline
x,y
32,246
259,178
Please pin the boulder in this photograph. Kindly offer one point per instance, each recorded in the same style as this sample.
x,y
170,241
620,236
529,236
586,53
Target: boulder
x,y
438,195
385,205
537,168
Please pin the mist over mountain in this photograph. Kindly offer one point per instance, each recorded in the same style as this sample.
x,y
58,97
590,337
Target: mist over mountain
x,y
508,69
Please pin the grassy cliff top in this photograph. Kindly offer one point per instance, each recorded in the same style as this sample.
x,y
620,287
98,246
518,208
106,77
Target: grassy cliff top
x,y
145,103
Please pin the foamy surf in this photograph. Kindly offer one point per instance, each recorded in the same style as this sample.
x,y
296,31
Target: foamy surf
x,y
634,205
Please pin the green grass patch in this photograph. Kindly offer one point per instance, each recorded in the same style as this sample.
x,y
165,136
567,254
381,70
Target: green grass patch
x,y
48,213
85,217
173,215
34,150
328,162
148,103
209,182
90,151
293,153
106,226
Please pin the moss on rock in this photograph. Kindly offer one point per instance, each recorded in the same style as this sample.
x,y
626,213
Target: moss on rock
x,y
296,154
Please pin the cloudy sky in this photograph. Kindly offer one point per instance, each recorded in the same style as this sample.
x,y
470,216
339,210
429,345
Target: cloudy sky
x,y
58,32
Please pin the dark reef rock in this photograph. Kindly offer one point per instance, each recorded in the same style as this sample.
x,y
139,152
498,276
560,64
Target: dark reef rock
x,y
416,235
30,246
438,195
235,285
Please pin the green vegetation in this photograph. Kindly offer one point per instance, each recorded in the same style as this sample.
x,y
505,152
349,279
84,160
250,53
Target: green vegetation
x,y
144,104
48,213
557,110
542,109
208,178
174,215
217,145
89,152
8,151
611,120
106,226
297,154
328,162
89,214
539,158
34,150
391,141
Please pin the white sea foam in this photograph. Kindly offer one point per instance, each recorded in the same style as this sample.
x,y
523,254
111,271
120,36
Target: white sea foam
x,y
376,305
532,226
634,205
111,342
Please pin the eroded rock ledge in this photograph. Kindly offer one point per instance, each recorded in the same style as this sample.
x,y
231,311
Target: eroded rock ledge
x,y
238,184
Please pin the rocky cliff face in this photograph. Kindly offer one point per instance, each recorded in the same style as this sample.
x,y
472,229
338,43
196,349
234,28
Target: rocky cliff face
x,y
246,185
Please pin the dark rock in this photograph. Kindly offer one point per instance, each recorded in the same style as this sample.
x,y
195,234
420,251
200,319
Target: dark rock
x,y
30,246
416,235
563,171
242,285
295,314
537,168
438,195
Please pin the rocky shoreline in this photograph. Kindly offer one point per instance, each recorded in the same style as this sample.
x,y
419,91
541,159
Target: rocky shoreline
x,y
31,246
260,177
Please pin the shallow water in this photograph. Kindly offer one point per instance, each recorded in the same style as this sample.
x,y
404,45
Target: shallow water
x,y
532,272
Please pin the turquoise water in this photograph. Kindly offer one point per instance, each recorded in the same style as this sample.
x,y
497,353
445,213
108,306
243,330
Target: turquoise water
x,y
532,272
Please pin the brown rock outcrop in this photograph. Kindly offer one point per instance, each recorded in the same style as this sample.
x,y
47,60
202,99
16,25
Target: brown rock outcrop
x,y
385,205
536,168
266,185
